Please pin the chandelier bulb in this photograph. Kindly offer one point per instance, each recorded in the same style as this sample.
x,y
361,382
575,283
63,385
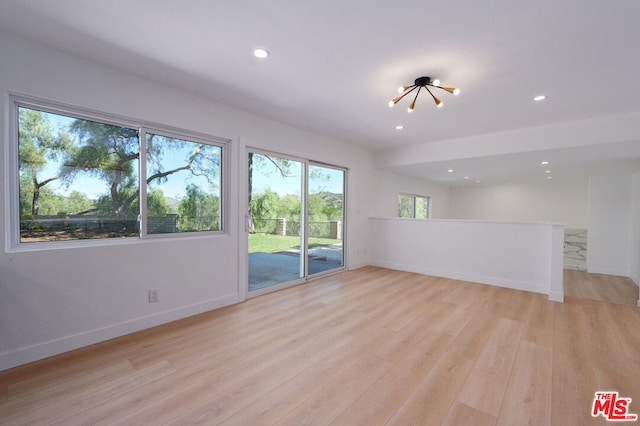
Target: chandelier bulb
x,y
401,89
395,101
435,82
452,90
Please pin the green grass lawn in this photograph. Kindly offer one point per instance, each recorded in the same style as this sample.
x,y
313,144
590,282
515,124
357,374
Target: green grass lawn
x,y
267,243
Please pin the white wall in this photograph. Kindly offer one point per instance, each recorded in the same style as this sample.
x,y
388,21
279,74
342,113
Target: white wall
x,y
610,203
634,249
55,300
522,256
565,203
387,186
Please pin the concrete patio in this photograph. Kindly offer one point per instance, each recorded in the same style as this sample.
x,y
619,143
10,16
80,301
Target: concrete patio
x,y
267,269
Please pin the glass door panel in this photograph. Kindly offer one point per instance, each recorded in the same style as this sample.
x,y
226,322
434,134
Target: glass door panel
x,y
275,220
325,219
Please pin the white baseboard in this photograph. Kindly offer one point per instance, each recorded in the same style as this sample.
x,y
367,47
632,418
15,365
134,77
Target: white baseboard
x,y
357,265
608,272
495,281
39,351
556,296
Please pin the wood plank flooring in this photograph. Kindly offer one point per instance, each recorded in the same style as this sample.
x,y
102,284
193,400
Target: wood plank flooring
x,y
608,288
365,347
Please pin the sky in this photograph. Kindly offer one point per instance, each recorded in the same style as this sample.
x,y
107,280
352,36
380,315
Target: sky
x,y
93,187
266,175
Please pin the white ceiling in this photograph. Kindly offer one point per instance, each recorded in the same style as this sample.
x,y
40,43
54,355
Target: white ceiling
x,y
335,64
617,159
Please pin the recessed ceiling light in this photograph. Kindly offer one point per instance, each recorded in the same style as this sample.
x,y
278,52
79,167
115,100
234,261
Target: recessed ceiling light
x,y
477,181
450,171
540,98
544,163
399,127
549,177
260,53
466,177
547,171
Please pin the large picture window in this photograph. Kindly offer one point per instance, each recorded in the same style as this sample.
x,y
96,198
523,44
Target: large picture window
x,y
80,178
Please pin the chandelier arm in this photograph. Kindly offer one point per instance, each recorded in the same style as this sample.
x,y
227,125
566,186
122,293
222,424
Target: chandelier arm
x,y
451,90
409,90
432,95
399,98
417,93
413,104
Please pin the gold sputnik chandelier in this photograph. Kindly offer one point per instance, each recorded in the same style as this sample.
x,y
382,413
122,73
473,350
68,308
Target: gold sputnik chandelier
x,y
422,83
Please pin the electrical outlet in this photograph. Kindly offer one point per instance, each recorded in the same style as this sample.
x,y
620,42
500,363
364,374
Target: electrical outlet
x,y
153,296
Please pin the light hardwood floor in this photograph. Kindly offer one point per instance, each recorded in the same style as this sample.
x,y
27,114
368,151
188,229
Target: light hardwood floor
x,y
608,288
371,346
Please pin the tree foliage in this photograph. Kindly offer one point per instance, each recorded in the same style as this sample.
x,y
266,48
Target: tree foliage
x,y
198,211
281,165
38,143
111,153
156,204
322,206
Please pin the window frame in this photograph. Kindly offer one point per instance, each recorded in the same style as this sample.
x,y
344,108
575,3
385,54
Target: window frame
x,y
414,198
12,184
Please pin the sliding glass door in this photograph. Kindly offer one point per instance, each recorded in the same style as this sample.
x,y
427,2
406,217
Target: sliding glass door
x,y
275,216
295,220
325,219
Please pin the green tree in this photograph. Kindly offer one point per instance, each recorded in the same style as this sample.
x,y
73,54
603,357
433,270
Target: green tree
x,y
265,205
111,153
332,205
77,203
39,143
289,207
421,207
106,207
26,196
50,203
156,204
315,206
405,205
198,211
281,165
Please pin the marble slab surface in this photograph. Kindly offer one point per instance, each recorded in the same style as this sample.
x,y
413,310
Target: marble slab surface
x,y
575,249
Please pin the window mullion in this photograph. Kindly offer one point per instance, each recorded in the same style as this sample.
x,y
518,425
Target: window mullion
x,y
142,186
413,200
